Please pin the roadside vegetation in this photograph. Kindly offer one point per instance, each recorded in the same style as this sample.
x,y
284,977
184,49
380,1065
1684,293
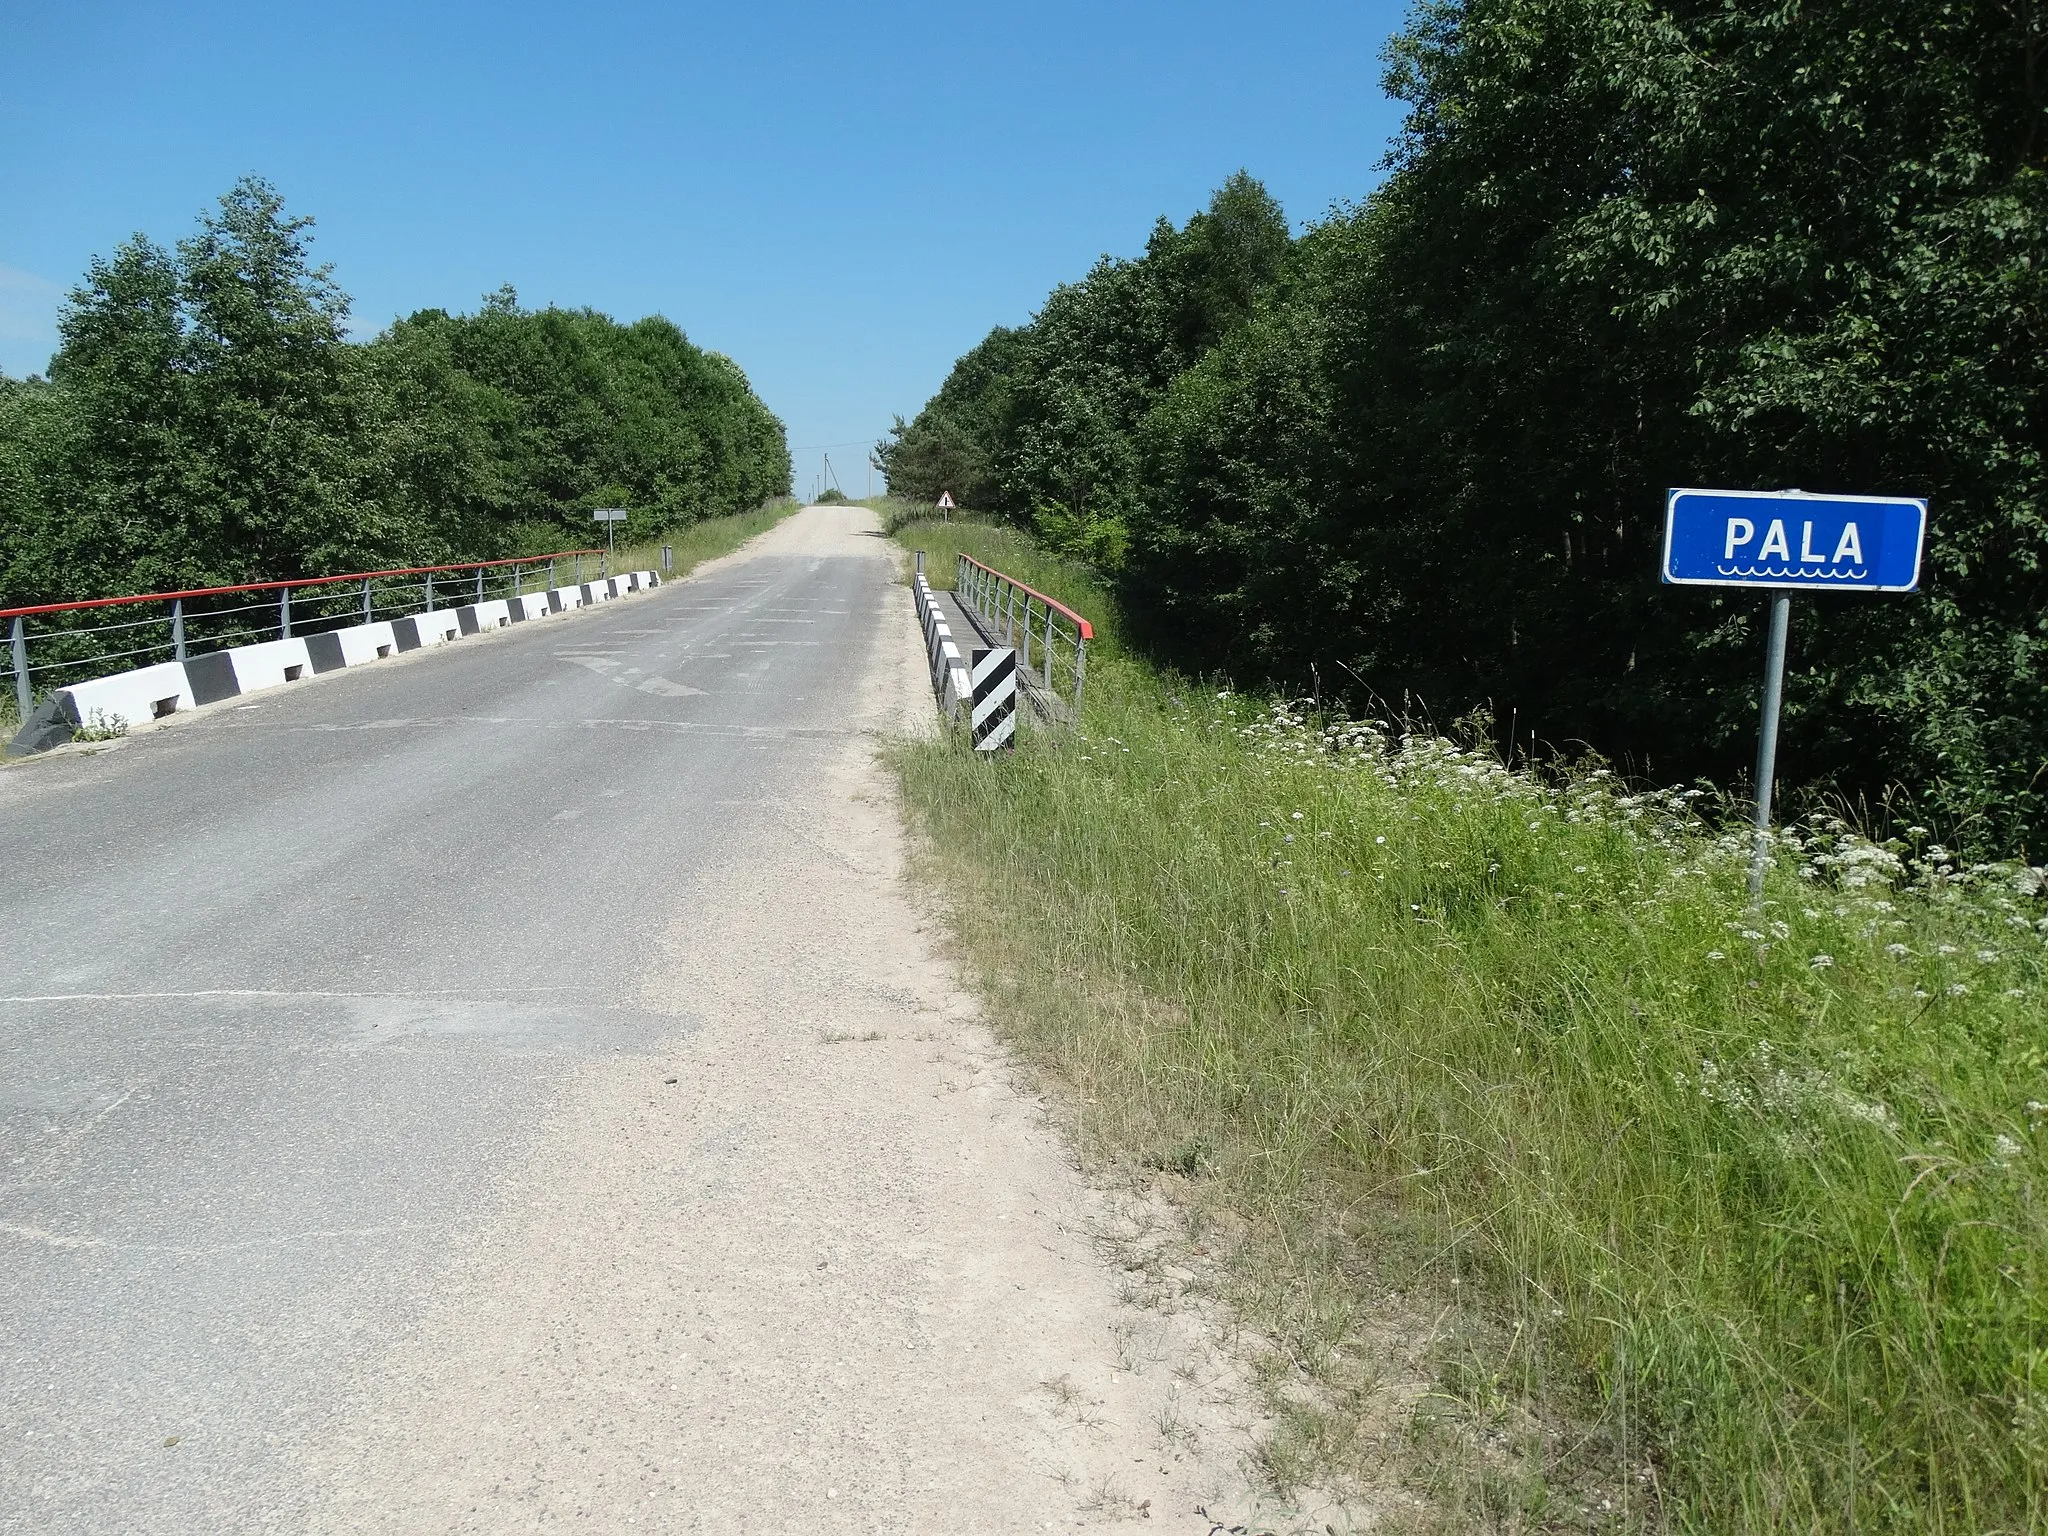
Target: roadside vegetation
x,y
1419,449
1698,1216
704,540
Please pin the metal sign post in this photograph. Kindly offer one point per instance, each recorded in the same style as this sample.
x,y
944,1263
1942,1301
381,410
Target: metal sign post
x,y
609,516
1747,539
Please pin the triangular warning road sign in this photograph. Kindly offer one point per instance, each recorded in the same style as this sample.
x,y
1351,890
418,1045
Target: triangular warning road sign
x,y
946,500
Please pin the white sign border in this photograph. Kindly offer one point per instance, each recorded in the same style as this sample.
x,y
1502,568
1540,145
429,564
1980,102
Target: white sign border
x,y
1672,494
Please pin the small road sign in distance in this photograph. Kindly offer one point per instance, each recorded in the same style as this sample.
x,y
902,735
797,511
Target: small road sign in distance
x,y
1794,540
607,515
946,501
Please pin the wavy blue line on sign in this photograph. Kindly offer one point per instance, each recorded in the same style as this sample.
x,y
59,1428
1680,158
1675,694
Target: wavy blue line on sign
x,y
1803,573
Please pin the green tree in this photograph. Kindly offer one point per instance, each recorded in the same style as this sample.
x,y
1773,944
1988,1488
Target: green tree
x,y
1625,247
1040,423
572,411
207,421
278,412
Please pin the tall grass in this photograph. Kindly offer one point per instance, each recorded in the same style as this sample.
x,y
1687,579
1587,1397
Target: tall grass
x,y
1752,1197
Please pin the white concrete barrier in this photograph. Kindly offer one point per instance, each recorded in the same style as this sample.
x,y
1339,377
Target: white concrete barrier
x,y
474,618
419,629
147,693
270,663
243,669
368,642
333,649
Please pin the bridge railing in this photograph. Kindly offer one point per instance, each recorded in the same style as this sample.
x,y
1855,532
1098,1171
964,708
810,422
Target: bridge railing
x,y
55,645
1051,639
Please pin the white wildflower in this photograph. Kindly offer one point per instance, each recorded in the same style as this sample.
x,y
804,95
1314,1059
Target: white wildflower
x,y
1821,962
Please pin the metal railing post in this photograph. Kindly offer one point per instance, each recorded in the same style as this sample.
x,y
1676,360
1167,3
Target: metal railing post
x,y
178,628
1024,660
284,613
366,599
430,591
551,573
1048,650
1080,670
479,583
516,589
24,696
579,570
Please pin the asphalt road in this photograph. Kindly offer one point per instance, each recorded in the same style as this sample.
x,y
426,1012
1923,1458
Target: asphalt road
x,y
285,987
522,1086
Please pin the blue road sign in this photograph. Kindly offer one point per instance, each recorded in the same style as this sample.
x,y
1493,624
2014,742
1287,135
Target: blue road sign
x,y
1793,540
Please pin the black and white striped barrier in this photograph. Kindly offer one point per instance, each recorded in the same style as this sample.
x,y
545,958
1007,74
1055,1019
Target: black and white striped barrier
x,y
948,668
993,717
123,699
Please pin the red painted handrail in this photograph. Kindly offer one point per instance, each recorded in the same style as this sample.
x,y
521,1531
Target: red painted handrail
x,y
278,586
1087,630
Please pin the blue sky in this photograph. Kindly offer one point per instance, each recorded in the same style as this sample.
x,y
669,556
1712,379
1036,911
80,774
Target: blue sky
x,y
842,198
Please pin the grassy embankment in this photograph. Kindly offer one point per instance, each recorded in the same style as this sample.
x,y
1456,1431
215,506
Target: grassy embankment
x,y
1728,1220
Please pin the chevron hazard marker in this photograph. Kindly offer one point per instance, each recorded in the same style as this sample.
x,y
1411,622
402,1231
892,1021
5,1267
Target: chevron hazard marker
x,y
993,679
